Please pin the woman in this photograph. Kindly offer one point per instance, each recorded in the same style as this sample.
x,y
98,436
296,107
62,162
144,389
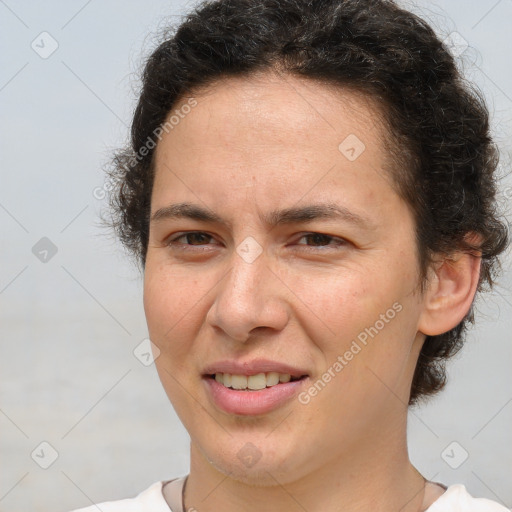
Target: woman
x,y
310,191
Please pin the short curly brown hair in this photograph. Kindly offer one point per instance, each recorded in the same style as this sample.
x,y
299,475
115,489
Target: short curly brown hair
x,y
445,159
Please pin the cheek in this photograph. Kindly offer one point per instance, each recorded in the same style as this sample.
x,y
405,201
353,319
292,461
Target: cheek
x,y
367,316
172,303
171,308
343,302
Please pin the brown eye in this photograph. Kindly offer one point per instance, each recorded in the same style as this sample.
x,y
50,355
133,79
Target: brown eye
x,y
321,240
193,238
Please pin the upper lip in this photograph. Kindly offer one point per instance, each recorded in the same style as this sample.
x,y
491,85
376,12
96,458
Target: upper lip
x,y
252,367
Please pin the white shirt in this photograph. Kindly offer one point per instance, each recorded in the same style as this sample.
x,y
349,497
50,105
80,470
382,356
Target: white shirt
x,y
455,499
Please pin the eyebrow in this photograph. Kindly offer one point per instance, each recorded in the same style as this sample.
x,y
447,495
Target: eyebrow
x,y
274,218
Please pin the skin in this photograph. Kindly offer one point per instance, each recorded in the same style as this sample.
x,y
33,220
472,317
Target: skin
x,y
252,145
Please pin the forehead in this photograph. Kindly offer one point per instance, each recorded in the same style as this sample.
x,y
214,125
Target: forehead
x,y
281,109
278,135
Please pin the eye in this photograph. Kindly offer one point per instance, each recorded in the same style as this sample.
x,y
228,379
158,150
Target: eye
x,y
322,240
200,239
198,236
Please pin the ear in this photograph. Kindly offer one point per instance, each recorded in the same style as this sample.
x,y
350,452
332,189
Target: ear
x,y
451,290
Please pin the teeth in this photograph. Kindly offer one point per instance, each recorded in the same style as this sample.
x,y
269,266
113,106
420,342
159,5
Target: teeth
x,y
254,382
258,381
272,378
238,381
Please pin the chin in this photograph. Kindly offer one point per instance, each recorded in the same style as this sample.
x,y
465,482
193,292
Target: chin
x,y
260,475
254,467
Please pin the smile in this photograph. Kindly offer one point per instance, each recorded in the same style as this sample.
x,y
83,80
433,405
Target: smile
x,y
253,382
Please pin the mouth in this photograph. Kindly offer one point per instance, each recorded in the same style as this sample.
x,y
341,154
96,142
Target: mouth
x,y
255,382
253,387
252,395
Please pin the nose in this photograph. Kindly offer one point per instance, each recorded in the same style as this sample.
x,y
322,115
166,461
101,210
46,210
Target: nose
x,y
248,299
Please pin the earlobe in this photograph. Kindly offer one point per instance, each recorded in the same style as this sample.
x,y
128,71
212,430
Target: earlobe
x,y
451,290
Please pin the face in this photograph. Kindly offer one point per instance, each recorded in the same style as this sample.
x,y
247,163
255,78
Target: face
x,y
295,258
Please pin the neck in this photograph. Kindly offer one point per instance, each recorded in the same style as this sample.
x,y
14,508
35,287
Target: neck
x,y
374,477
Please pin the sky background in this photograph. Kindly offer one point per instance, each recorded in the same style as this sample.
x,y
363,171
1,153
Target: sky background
x,y
70,324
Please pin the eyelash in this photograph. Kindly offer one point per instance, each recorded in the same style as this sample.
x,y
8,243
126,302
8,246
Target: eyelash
x,y
173,241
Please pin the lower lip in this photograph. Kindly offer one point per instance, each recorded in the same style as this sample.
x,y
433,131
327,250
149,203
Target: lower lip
x,y
252,402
